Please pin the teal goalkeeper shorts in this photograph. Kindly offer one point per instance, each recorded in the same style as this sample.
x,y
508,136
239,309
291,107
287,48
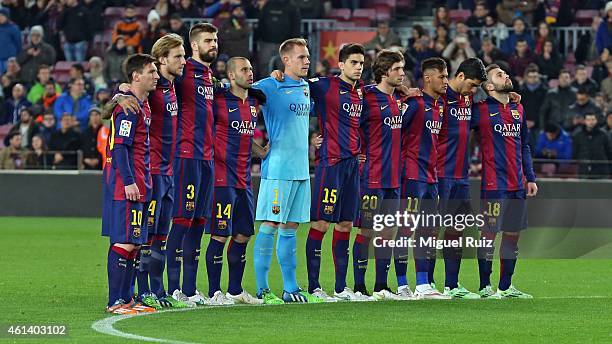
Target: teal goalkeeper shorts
x,y
283,201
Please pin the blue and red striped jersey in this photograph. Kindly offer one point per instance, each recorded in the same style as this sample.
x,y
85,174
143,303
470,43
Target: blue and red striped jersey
x,y
131,130
381,135
454,138
422,124
338,106
235,123
195,95
164,113
506,155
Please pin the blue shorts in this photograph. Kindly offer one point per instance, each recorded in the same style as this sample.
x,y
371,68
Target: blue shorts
x,y
159,210
335,196
504,211
122,222
233,212
193,188
283,201
377,201
454,196
419,196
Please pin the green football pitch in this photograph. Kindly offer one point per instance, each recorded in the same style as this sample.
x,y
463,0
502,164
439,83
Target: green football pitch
x,y
53,271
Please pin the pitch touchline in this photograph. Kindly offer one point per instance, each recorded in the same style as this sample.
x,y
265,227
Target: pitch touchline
x,y
106,325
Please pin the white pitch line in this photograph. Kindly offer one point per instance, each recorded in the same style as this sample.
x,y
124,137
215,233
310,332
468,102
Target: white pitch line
x,y
106,325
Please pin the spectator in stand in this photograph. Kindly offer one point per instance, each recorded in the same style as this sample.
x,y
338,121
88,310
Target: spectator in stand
x,y
532,92
38,158
163,8
12,156
278,20
554,143
13,70
77,71
187,9
18,11
17,102
489,53
48,126
74,102
96,9
73,23
608,126
478,17
322,69
462,29
10,39
116,53
600,101
103,96
507,10
220,70
46,13
592,144
606,84
96,73
458,51
384,39
549,61
234,33
129,28
520,33
582,80
311,9
542,36
441,39
603,40
555,108
26,127
35,54
65,142
441,17
153,33
497,31
417,32
423,51
50,95
43,76
89,141
521,58
583,105
178,27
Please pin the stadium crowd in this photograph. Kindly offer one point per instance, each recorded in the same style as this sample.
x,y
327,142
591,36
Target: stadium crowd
x,y
50,109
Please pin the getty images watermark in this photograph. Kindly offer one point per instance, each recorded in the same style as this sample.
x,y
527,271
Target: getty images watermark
x,y
413,222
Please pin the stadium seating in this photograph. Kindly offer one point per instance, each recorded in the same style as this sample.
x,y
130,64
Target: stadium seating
x,y
459,15
363,16
341,14
61,71
585,17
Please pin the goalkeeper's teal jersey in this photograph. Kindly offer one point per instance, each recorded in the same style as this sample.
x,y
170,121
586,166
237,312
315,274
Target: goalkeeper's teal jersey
x,y
286,113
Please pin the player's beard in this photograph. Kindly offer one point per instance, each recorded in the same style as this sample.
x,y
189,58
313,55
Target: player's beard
x,y
505,88
209,56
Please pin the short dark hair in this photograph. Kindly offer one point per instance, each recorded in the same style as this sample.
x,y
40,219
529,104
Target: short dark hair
x,y
491,67
136,63
199,28
582,89
552,128
350,49
563,71
433,63
532,67
580,67
79,67
385,59
43,66
175,16
472,68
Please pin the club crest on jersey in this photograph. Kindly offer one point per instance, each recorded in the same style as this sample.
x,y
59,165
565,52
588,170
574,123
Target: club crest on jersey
x,y
515,114
328,210
467,100
190,205
150,221
441,110
253,111
222,224
359,93
125,128
136,233
147,121
276,209
305,91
